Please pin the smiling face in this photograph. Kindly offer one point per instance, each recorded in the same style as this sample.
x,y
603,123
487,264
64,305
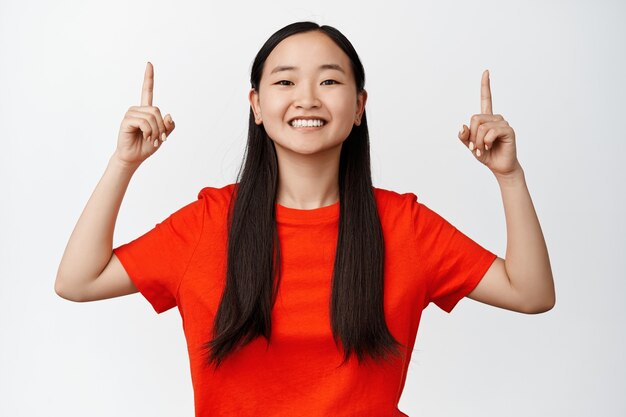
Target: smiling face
x,y
307,99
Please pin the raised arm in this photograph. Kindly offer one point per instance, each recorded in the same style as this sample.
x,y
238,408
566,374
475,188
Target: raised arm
x,y
88,270
523,281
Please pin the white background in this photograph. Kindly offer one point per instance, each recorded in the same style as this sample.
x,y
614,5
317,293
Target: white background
x,y
70,70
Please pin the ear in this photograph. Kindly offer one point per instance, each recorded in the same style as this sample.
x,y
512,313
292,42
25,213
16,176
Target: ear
x,y
253,97
360,107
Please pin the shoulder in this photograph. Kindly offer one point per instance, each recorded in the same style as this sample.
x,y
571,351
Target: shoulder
x,y
217,195
211,201
396,209
396,196
398,206
216,199
393,200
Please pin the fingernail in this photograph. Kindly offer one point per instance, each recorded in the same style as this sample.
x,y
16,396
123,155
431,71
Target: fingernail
x,y
462,130
471,146
486,147
477,152
163,136
156,143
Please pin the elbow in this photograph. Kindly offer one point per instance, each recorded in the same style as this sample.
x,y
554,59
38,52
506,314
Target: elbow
x,y
61,290
543,307
540,310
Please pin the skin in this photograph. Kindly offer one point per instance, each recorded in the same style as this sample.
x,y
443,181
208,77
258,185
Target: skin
x,y
523,281
89,270
308,159
143,122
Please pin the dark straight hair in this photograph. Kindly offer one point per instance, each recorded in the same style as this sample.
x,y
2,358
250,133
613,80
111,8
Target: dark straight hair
x,y
253,266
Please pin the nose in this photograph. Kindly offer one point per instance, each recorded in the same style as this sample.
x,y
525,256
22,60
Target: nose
x,y
306,96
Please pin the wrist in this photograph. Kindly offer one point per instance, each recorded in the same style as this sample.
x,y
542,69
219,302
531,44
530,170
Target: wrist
x,y
514,177
118,163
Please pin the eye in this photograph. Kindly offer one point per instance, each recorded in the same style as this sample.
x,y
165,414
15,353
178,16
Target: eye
x,y
284,82
331,81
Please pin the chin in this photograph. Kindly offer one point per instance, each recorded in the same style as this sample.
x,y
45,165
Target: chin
x,y
306,147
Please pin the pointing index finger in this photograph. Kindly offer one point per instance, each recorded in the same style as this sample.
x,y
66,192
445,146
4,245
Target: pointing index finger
x,y
485,94
148,86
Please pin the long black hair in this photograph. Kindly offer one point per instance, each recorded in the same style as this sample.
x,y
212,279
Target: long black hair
x,y
253,266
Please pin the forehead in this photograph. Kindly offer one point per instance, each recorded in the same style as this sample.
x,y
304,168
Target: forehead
x,y
307,51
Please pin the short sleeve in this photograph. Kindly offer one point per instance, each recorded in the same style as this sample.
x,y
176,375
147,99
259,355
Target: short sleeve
x,y
454,263
157,260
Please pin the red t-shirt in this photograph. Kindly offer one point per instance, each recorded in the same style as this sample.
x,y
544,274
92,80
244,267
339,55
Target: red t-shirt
x,y
182,262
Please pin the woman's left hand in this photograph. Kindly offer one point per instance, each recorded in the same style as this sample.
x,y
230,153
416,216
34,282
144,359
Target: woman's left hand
x,y
489,137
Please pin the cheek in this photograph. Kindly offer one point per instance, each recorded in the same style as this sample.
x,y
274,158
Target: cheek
x,y
270,106
346,99
345,107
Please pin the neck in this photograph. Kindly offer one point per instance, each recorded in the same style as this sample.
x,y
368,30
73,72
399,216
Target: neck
x,y
308,182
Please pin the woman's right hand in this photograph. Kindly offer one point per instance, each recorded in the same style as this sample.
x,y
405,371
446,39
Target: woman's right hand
x,y
143,128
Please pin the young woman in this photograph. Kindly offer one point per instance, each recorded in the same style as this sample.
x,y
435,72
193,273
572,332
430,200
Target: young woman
x,y
301,285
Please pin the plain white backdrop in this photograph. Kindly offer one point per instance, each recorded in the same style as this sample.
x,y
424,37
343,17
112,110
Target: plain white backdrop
x,y
70,70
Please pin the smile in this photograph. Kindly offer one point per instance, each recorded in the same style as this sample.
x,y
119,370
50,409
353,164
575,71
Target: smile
x,y
307,123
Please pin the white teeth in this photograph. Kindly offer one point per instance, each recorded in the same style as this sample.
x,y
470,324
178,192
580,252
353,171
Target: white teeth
x,y
307,123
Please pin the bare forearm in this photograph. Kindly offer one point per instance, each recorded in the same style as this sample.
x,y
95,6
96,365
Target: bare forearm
x,y
90,245
527,262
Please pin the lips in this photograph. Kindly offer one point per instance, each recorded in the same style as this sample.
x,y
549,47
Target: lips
x,y
307,118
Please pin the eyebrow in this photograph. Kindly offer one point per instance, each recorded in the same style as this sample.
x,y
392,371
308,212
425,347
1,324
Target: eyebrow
x,y
321,67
